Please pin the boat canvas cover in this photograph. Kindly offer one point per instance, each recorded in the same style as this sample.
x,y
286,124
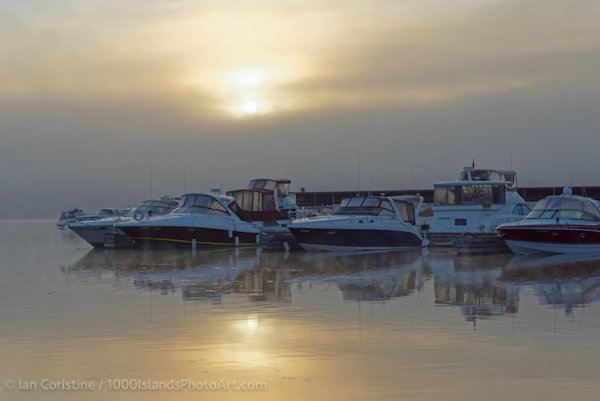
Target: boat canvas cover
x,y
256,204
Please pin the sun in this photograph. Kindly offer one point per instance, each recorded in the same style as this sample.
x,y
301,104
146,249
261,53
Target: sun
x,y
250,107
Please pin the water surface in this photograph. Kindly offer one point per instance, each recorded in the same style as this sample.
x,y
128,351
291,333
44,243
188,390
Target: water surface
x,y
385,326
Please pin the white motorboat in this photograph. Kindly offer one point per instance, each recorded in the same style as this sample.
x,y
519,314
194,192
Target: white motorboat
x,y
77,215
467,211
69,216
201,219
363,223
103,233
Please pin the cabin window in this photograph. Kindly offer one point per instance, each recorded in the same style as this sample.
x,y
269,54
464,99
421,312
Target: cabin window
x,y
521,210
407,211
476,194
268,202
256,204
446,195
355,202
368,205
371,202
203,201
195,204
440,195
499,195
386,208
258,184
480,175
246,203
283,189
187,201
217,208
460,222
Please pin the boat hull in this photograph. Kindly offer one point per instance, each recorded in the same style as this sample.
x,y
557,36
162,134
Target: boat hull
x,y
93,235
555,238
173,236
324,239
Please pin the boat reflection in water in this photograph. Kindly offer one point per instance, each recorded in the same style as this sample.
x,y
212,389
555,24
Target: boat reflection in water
x,y
261,276
564,281
472,283
374,276
481,286
203,275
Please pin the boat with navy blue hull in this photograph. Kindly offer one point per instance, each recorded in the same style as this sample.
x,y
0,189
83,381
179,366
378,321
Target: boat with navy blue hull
x,y
363,223
206,220
565,223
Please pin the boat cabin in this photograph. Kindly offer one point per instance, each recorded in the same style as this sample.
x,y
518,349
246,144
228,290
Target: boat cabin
x,y
377,206
206,204
478,174
566,207
265,200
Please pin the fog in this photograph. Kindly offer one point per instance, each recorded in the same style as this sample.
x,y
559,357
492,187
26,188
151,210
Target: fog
x,y
98,107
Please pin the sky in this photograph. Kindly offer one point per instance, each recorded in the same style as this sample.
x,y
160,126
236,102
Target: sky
x,y
106,103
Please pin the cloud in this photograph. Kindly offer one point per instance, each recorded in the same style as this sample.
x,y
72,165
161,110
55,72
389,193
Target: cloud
x,y
95,94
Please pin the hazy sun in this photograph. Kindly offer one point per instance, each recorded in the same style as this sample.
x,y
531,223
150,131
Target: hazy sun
x,y
248,92
250,107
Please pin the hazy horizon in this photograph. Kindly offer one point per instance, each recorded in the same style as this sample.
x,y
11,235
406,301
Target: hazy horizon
x,y
95,95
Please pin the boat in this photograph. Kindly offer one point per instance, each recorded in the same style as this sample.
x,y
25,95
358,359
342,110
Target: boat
x,y
200,219
363,223
102,232
467,211
266,200
77,215
271,206
563,223
68,216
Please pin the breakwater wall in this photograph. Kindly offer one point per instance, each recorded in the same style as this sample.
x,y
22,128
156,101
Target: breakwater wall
x,y
530,194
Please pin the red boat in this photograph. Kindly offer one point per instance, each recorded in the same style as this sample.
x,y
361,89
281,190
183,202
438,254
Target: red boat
x,y
565,223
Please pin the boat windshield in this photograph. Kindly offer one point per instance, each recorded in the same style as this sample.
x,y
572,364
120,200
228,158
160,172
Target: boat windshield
x,y
105,211
203,204
370,205
262,184
566,207
155,206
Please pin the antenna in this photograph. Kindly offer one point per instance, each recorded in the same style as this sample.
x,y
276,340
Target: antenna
x,y
358,169
184,179
150,173
511,162
581,179
413,177
553,180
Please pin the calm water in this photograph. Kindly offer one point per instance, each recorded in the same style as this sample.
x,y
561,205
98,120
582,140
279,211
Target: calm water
x,y
380,326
